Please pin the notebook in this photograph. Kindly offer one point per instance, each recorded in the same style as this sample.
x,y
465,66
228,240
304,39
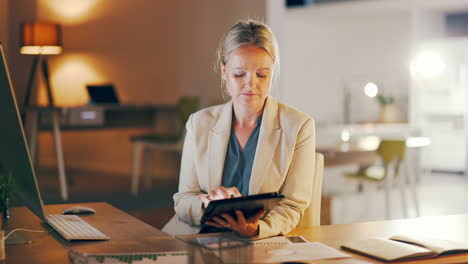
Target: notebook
x,y
405,247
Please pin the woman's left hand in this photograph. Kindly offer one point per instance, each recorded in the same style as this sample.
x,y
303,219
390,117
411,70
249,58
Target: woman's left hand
x,y
246,227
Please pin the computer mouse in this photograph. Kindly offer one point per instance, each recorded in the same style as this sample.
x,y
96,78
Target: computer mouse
x,y
79,210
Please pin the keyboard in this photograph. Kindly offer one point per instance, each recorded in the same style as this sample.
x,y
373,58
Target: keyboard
x,y
72,227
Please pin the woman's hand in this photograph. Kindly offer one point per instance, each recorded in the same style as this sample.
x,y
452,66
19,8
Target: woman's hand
x,y
219,194
246,227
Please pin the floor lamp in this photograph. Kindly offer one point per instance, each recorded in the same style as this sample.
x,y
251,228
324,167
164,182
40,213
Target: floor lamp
x,y
41,39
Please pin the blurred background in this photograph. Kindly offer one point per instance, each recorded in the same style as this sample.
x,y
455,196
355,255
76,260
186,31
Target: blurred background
x,y
363,69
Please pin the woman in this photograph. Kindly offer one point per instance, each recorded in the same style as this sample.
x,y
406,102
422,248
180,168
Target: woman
x,y
252,144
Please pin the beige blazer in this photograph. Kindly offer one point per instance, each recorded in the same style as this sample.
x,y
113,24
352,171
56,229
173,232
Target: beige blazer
x,y
284,162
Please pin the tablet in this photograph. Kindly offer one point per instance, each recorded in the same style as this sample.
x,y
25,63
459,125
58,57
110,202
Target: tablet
x,y
249,205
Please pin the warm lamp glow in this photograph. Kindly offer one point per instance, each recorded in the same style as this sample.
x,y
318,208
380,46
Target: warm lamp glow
x,y
71,11
71,74
428,64
413,142
369,142
34,50
371,89
41,38
345,135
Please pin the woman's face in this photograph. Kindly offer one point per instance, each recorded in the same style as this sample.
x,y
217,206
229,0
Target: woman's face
x,y
248,74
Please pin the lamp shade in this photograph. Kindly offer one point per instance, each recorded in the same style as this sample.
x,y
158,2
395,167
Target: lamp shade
x,y
41,38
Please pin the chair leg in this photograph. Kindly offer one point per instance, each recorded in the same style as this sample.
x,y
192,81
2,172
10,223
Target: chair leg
x,y
367,192
412,181
137,152
414,156
344,203
388,203
148,161
402,181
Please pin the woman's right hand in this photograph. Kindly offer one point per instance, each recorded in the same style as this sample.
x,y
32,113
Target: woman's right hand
x,y
219,194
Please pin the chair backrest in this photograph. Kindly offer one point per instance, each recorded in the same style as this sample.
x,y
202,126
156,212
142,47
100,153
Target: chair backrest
x,y
390,151
311,216
186,106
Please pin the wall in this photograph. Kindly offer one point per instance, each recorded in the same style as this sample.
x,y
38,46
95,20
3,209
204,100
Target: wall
x,y
426,25
276,11
204,23
128,43
20,65
153,51
331,47
4,23
438,104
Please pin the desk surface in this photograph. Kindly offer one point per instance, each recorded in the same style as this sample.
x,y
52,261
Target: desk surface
x,y
129,234
453,227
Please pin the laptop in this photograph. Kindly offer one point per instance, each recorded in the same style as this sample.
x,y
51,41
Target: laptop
x,y
102,94
15,158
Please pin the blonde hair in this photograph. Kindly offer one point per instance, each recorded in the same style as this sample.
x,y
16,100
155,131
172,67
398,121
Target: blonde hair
x,y
248,33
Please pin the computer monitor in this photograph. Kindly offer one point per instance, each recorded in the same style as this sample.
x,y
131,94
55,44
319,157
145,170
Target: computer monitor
x,y
14,152
102,94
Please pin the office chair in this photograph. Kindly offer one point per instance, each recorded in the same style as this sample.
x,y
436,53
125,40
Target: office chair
x,y
311,215
146,143
391,154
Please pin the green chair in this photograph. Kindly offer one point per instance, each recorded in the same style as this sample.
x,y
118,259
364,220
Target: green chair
x,y
391,154
143,145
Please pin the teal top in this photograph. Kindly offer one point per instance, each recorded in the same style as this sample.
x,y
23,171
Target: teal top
x,y
238,163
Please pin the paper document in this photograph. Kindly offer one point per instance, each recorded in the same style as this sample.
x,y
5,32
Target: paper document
x,y
217,241
280,240
295,252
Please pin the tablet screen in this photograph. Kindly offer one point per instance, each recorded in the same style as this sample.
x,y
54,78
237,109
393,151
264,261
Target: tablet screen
x,y
249,205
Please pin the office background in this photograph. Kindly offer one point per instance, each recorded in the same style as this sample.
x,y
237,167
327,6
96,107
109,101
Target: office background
x,y
156,51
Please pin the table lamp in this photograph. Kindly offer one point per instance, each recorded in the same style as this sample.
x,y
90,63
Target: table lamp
x,y
39,39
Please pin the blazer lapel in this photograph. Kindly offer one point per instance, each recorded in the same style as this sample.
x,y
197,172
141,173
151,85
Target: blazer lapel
x,y
270,135
217,146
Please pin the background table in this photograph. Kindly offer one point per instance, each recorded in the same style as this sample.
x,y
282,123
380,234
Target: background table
x,y
83,118
361,150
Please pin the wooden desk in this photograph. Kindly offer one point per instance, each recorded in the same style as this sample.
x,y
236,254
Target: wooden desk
x,y
358,151
100,116
453,227
127,233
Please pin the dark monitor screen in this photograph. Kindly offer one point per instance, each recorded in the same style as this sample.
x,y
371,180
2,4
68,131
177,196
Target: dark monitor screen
x,y
14,152
102,94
